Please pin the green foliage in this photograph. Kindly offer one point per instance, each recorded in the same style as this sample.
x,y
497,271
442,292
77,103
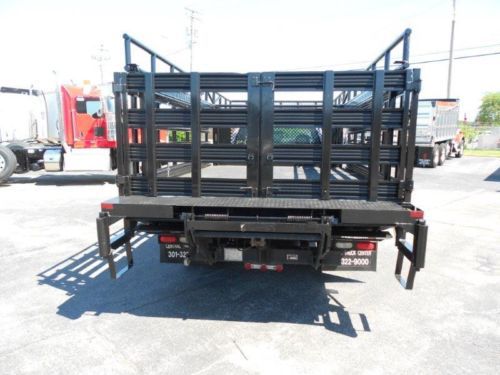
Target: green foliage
x,y
489,112
470,131
180,136
487,153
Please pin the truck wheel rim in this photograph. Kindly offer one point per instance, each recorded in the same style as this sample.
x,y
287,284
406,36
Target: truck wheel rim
x,y
2,163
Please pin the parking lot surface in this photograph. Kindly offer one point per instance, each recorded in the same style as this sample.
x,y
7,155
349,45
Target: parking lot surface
x,y
60,313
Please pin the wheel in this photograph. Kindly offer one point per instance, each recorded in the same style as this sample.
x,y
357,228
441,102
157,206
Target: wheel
x,y
460,151
435,156
18,149
442,153
448,150
8,163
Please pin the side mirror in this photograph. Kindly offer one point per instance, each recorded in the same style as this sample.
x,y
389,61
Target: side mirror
x,y
97,114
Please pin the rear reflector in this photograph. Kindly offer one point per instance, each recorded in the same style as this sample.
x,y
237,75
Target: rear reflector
x,y
106,206
343,245
168,238
366,246
417,214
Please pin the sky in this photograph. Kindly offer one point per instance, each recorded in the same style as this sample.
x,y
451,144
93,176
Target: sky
x,y
49,42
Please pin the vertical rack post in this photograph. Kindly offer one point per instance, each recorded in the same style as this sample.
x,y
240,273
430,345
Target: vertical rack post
x,y
406,48
266,84
387,60
253,131
118,92
149,108
326,147
153,63
403,135
378,103
128,55
410,153
195,136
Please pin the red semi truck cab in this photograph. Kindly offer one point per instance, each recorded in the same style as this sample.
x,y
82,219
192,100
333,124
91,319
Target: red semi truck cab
x,y
84,117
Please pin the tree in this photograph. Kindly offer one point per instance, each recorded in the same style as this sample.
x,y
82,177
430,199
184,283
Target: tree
x,y
489,112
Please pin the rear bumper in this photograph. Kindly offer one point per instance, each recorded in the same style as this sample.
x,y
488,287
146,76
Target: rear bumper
x,y
267,230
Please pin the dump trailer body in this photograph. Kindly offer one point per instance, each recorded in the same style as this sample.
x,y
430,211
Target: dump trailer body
x,y
437,135
267,183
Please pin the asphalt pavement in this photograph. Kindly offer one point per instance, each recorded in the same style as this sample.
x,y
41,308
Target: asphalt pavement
x,y
60,313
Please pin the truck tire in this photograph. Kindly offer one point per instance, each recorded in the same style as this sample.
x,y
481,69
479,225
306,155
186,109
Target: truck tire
x,y
442,153
19,151
8,163
460,151
448,150
435,156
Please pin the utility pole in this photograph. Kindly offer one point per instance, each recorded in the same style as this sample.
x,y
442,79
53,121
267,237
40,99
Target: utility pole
x,y
100,57
192,34
450,62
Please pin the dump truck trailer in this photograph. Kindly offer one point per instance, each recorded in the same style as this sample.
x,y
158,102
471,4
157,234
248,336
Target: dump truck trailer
x,y
438,135
316,179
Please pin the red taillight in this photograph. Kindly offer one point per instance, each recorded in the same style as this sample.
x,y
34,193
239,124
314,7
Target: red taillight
x,y
168,238
417,214
366,246
106,206
263,267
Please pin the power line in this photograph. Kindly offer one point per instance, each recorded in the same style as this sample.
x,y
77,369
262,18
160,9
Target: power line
x,y
456,58
417,55
458,49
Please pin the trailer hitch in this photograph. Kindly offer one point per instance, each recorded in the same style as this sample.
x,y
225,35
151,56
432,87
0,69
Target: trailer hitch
x,y
107,243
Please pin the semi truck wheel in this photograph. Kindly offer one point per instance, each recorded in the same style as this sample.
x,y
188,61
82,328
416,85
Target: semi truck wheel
x,y
435,156
442,153
448,150
8,163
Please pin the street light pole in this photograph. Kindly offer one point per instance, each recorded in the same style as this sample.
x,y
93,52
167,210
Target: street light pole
x,y
450,62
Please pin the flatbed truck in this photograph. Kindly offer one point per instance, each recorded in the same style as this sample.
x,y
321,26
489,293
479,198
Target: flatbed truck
x,y
302,181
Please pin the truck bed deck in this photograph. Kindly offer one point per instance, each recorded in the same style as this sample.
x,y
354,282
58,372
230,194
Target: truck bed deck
x,y
342,211
299,172
234,202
